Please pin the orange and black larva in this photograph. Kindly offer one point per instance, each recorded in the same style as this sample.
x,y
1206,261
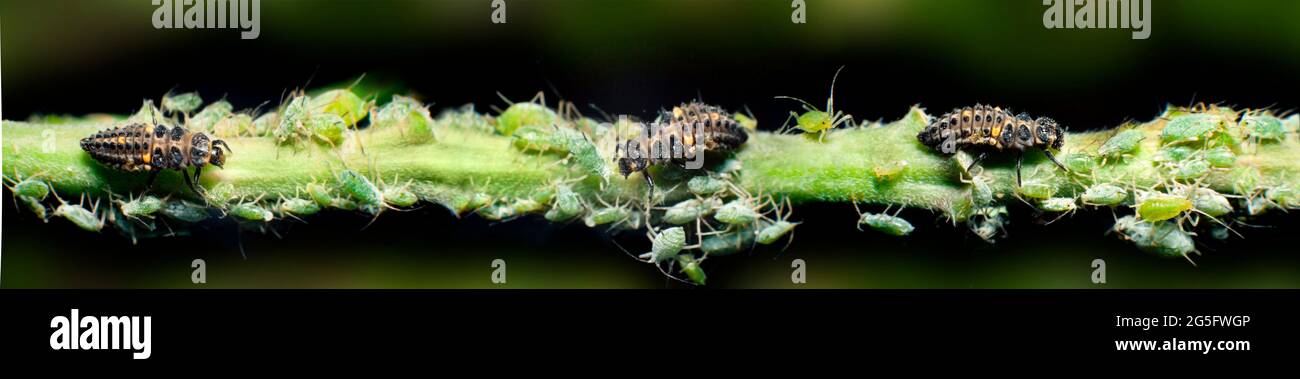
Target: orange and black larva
x,y
153,148
983,129
690,129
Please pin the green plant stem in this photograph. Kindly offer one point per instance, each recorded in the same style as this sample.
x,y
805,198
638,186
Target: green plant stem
x,y
463,160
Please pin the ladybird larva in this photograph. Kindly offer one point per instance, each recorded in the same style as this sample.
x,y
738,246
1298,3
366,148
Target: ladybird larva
x,y
680,134
983,129
156,147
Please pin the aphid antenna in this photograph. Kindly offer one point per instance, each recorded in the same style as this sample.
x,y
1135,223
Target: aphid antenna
x,y
604,115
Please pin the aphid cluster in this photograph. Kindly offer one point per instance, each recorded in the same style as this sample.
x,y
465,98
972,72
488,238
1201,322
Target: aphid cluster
x,y
684,132
156,147
982,129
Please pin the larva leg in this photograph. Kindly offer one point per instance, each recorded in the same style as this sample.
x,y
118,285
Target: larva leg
x,y
153,175
1053,158
191,183
977,160
1019,159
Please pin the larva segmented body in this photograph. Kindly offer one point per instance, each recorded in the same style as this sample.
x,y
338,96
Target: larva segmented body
x,y
983,129
153,148
691,129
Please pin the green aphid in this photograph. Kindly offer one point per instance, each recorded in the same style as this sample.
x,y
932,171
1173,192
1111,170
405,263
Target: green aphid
x,y
1245,180
233,126
1160,207
1210,202
184,211
1058,204
394,110
606,215
251,212
773,232
36,207
744,120
1192,169
813,121
361,189
400,196
1079,162
296,110
184,103
737,212
584,152
342,103
539,138
1191,128
888,171
1174,154
568,204
33,188
207,118
1121,144
727,243
690,210
456,202
891,225
1284,196
666,245
479,200
817,121
344,204
692,269
987,222
299,207
265,123
408,115
221,194
145,206
1162,238
82,217
1104,194
730,166
527,206
1220,157
546,195
1264,128
325,128
980,191
521,114
1036,189
705,185
496,212
320,193
293,119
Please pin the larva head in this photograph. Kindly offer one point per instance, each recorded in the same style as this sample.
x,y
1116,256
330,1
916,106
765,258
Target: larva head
x,y
1048,134
219,149
627,156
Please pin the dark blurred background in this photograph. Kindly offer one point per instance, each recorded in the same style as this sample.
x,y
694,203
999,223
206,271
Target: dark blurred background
x,y
79,57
